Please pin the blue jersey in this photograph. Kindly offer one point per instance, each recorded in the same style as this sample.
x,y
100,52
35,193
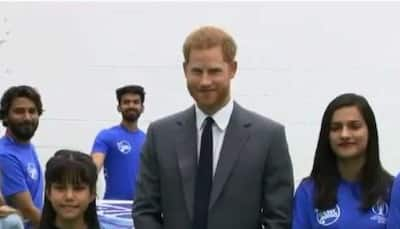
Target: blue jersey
x,y
20,170
346,214
394,209
122,149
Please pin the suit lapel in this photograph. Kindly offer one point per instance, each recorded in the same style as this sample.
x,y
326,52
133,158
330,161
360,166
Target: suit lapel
x,y
236,135
187,155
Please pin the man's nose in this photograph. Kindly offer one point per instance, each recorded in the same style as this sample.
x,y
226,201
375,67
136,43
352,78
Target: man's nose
x,y
28,115
132,105
205,79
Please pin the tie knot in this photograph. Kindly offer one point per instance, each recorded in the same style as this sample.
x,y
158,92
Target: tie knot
x,y
209,121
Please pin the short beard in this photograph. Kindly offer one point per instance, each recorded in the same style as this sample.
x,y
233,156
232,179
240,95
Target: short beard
x,y
23,131
130,118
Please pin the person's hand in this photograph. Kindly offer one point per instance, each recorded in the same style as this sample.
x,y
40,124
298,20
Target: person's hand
x,y
6,210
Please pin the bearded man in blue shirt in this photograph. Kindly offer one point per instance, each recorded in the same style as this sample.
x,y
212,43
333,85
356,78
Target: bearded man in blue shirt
x,y
22,184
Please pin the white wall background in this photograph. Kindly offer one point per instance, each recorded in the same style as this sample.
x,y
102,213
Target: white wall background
x,y
293,59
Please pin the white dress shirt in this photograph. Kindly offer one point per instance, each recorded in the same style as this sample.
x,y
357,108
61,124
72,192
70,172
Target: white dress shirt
x,y
221,120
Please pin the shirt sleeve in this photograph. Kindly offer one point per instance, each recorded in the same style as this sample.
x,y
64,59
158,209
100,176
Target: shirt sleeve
x,y
100,143
301,206
13,177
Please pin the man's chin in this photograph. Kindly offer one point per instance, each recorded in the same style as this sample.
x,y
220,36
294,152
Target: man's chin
x,y
23,134
131,119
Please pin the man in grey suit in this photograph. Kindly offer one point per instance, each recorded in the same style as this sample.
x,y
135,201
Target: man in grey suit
x,y
215,165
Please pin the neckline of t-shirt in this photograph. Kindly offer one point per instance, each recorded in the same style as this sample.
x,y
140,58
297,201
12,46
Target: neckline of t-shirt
x,y
350,183
15,142
129,131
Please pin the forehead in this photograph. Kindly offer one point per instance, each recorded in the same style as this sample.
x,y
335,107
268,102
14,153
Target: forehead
x,y
130,96
347,113
213,55
22,102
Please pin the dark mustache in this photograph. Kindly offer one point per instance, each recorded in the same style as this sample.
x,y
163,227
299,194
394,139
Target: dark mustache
x,y
26,123
132,110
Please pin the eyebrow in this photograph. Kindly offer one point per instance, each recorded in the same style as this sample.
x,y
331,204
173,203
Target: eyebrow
x,y
346,122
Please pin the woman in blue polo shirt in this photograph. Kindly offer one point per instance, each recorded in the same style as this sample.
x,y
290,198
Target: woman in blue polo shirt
x,y
348,187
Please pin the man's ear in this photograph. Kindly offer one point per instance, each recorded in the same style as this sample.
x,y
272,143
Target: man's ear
x,y
233,68
119,108
184,65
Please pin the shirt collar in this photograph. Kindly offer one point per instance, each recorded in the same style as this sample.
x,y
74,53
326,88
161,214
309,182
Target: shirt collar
x,y
12,139
221,117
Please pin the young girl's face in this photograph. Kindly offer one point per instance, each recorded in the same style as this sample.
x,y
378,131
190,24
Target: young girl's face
x,y
69,201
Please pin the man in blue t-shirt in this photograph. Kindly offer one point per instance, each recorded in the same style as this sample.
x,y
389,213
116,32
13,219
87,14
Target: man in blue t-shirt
x,y
118,148
22,178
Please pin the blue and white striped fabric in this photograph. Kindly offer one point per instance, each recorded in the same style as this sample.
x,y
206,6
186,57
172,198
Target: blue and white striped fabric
x,y
115,214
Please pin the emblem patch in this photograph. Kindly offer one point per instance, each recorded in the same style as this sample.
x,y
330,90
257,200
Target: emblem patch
x,y
124,146
380,212
327,217
32,171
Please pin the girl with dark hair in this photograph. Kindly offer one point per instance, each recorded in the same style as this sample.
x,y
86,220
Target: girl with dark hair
x,y
70,200
347,187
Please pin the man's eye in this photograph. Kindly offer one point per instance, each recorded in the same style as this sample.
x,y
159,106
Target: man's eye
x,y
196,71
19,111
33,111
215,71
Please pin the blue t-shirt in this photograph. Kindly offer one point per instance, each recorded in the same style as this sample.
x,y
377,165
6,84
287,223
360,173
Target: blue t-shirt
x,y
394,209
122,151
21,171
346,214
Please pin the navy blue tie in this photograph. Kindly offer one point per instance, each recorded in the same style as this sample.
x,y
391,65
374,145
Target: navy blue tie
x,y
204,177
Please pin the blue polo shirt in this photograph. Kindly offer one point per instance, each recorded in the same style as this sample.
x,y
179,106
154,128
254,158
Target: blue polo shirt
x,y
346,213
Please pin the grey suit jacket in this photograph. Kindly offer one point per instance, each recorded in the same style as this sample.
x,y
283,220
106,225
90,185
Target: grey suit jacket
x,y
252,186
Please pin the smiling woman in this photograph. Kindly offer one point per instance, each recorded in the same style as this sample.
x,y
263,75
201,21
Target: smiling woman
x,y
348,185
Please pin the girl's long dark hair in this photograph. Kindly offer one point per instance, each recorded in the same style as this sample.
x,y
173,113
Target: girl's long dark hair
x,y
374,179
70,167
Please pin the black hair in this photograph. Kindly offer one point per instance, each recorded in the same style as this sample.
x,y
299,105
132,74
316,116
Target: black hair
x,y
132,89
374,179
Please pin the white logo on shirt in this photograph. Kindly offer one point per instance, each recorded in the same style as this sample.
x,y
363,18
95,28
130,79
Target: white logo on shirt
x,y
32,171
380,211
124,146
327,217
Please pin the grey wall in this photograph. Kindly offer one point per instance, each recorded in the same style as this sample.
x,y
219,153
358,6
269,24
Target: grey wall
x,y
293,59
